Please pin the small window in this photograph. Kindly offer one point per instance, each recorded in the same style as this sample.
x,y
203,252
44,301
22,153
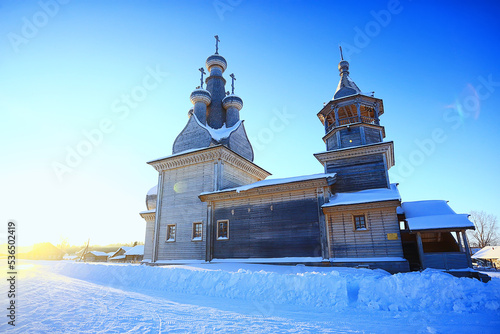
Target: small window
x,y
359,222
171,233
197,232
402,225
222,230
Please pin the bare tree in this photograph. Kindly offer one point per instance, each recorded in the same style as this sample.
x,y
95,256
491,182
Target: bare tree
x,y
486,233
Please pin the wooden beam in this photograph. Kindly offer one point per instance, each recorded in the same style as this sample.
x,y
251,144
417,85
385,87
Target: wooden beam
x,y
459,240
322,224
420,250
156,235
377,120
467,248
209,236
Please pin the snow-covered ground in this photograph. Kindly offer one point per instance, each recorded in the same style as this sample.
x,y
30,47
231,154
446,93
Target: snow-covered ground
x,y
66,297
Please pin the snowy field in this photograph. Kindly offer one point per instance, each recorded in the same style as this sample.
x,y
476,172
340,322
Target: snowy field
x,y
68,297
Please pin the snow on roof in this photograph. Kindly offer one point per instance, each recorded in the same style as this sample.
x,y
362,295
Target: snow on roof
x,y
433,214
148,211
488,252
439,222
365,196
272,182
219,134
97,253
125,248
136,250
119,257
426,208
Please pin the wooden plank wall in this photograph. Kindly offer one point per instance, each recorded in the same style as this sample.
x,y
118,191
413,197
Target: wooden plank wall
x,y
148,240
359,173
373,135
181,206
346,242
235,177
269,226
353,133
332,143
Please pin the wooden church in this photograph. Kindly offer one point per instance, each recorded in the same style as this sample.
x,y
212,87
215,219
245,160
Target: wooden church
x,y
213,204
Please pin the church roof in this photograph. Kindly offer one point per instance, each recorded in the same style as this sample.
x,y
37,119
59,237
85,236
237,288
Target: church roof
x,y
432,215
365,196
273,182
346,85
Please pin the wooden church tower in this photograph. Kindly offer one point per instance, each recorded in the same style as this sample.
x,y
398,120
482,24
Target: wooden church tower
x,y
354,138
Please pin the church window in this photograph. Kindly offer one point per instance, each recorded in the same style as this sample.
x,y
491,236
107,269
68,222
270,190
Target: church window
x,y
197,231
359,222
171,232
222,229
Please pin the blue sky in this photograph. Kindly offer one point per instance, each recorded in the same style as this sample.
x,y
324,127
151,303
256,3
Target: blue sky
x,y
66,69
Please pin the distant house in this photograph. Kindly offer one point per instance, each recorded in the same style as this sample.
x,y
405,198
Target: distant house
x,y
70,257
95,256
490,254
119,255
135,254
44,251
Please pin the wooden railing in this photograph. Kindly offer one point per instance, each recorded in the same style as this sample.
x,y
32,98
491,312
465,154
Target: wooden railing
x,y
449,260
352,120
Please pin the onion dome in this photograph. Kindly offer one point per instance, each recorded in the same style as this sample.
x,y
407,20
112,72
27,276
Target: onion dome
x,y
232,101
151,198
201,95
216,60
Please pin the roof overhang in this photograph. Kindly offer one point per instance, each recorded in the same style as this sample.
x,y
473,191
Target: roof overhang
x,y
348,100
453,222
213,153
434,215
386,148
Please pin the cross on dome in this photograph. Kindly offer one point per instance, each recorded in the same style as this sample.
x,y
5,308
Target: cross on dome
x,y
217,40
202,70
232,82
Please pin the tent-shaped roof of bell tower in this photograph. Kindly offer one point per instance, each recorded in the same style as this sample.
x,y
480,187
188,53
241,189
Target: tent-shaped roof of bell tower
x,y
346,85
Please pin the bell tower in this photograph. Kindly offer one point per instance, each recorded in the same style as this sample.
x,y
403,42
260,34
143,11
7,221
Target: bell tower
x,y
354,138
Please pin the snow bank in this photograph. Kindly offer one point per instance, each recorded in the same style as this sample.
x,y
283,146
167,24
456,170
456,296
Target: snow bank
x,y
331,288
430,290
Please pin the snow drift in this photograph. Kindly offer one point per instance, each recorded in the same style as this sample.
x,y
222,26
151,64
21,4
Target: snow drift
x,y
332,288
